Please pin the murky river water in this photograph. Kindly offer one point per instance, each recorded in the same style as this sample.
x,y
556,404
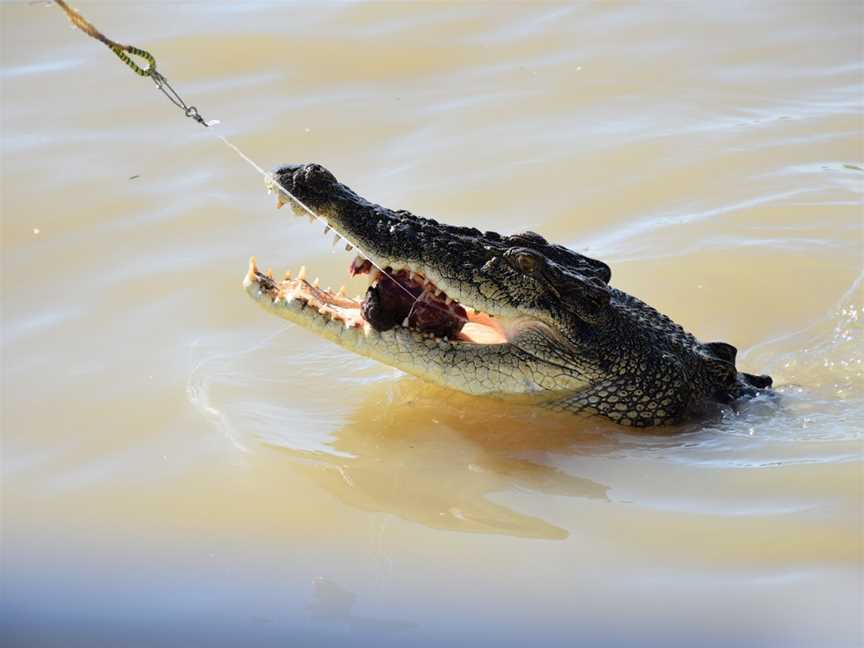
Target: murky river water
x,y
181,468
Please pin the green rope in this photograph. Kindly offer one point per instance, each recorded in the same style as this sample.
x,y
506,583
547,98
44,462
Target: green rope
x,y
121,52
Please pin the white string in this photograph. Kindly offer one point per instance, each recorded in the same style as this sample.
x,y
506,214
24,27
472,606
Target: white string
x,y
270,179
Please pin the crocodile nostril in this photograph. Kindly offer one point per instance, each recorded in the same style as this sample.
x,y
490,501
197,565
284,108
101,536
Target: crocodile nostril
x,y
318,174
287,169
286,174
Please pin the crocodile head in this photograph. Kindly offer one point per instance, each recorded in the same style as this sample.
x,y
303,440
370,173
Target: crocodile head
x,y
480,312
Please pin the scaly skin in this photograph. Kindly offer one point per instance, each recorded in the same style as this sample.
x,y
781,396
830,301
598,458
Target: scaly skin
x,y
574,343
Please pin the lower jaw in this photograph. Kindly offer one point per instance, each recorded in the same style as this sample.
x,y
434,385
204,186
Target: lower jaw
x,y
492,369
443,362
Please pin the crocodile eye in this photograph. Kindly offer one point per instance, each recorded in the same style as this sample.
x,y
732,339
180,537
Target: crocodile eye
x,y
526,262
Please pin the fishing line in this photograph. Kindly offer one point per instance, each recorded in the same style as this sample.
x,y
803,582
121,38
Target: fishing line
x,y
123,52
270,181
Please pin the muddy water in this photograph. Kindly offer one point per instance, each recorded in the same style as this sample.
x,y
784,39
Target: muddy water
x,y
180,467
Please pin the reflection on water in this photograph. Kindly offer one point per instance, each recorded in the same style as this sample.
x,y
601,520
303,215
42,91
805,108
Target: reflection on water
x,y
178,467
428,456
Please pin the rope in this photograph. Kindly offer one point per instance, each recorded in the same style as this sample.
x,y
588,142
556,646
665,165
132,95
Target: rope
x,y
118,48
123,51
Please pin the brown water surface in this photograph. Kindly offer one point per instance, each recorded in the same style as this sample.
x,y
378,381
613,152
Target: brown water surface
x,y
180,468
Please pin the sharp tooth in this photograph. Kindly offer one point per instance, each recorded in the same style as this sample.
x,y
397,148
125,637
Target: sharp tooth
x,y
405,322
311,217
336,239
315,283
348,247
326,229
280,200
253,269
341,292
301,273
269,273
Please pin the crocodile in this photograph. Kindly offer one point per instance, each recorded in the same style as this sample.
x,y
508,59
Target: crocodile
x,y
508,316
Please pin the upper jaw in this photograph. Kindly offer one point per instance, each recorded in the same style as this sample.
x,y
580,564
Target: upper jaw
x,y
451,259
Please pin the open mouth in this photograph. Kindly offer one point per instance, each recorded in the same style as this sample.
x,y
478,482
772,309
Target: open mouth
x,y
396,297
